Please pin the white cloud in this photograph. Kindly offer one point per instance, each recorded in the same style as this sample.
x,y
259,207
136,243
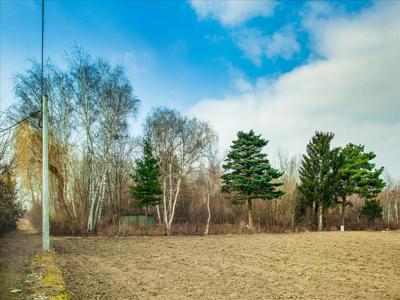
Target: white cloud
x,y
231,13
250,41
256,46
282,43
239,82
353,91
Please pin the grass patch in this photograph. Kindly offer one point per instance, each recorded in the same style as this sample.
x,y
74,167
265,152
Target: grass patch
x,y
47,278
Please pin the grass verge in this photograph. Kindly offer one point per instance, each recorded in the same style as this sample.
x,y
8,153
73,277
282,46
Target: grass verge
x,y
47,278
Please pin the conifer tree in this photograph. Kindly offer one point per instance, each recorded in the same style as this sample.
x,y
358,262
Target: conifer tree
x,y
357,175
248,172
319,174
146,189
372,209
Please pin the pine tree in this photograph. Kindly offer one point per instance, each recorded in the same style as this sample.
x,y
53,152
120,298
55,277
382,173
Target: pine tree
x,y
372,209
357,175
319,174
146,189
248,172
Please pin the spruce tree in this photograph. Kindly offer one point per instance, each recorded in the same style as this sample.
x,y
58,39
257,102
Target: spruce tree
x,y
319,174
248,172
146,189
357,175
372,209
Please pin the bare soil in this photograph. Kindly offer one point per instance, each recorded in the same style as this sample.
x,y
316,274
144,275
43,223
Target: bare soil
x,y
329,265
17,250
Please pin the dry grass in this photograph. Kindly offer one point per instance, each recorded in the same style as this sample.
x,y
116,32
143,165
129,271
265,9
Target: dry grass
x,y
329,265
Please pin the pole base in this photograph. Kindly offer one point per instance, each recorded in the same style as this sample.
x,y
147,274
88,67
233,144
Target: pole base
x,y
341,228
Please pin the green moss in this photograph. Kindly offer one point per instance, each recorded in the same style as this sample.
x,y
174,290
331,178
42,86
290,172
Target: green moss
x,y
50,283
60,297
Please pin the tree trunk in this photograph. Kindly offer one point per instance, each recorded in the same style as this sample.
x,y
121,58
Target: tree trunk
x,y
171,191
165,207
159,215
250,214
209,214
320,216
167,229
344,203
313,217
146,222
388,216
172,210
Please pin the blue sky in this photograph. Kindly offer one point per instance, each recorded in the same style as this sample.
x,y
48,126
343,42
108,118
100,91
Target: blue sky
x,y
234,64
188,58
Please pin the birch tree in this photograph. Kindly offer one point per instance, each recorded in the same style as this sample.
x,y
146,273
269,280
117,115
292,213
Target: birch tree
x,y
104,100
90,102
178,142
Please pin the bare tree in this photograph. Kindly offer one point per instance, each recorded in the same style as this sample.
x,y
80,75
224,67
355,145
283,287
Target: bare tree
x,y
89,104
6,139
104,100
290,167
179,143
211,174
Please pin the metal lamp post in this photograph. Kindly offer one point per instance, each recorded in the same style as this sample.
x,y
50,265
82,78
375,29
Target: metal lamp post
x,y
45,159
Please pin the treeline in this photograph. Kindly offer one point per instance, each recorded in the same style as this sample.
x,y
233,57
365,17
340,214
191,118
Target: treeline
x,y
314,187
174,170
10,208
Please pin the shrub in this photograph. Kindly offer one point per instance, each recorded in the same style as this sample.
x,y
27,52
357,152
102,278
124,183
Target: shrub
x,y
10,209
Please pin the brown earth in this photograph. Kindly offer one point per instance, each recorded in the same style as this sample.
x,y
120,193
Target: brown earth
x,y
17,250
329,265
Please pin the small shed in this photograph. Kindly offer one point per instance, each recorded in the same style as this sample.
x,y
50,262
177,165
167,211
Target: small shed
x,y
136,219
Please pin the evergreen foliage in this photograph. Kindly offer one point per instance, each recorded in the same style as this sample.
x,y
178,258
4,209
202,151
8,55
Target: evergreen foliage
x,y
357,173
372,209
146,189
319,172
319,169
248,172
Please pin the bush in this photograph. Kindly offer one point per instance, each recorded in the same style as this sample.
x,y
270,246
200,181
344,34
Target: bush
x,y
10,209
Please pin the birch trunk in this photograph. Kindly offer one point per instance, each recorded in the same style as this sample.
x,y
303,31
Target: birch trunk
x,y
172,211
343,210
170,186
158,214
209,214
165,205
388,216
100,201
320,216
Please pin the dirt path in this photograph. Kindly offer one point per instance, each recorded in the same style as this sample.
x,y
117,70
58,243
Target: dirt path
x,y
330,265
17,249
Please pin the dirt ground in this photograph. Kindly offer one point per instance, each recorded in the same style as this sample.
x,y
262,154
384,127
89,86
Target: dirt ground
x,y
17,250
329,265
